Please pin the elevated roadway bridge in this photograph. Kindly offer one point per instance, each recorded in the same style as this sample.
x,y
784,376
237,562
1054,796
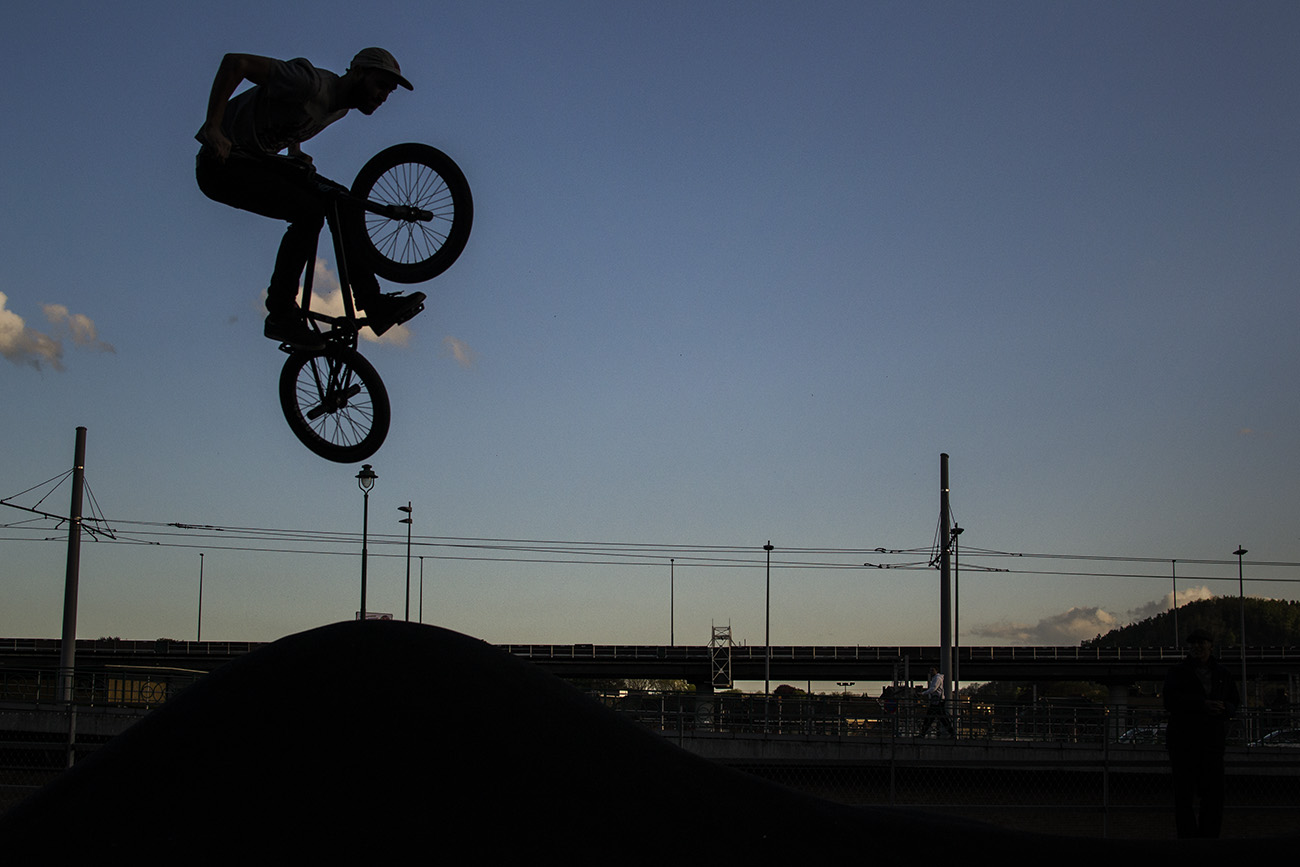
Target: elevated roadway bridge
x,y
699,664
798,664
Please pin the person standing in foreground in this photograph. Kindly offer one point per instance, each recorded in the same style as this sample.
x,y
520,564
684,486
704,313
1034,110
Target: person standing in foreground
x,y
290,102
933,695
1200,695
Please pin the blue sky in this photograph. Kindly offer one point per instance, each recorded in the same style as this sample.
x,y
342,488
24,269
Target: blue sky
x,y
739,272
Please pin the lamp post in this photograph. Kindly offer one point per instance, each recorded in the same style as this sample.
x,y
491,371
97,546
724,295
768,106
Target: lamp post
x,y
956,611
198,636
408,522
767,627
421,589
672,634
1241,596
365,481
1173,579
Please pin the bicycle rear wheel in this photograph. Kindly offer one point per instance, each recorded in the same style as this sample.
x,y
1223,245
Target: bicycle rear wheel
x,y
335,403
417,176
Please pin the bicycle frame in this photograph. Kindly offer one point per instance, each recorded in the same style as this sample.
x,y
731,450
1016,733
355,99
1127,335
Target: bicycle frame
x,y
344,329
333,398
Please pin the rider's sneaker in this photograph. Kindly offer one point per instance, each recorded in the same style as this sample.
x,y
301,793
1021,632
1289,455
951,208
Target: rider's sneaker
x,y
291,328
385,311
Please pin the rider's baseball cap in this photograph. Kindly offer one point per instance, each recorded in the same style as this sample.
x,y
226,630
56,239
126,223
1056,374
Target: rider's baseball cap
x,y
378,58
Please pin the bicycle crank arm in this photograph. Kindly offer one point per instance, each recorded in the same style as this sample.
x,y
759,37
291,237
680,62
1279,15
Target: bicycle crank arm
x,y
333,402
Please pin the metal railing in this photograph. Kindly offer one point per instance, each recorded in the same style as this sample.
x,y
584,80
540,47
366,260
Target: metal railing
x,y
1051,767
1058,721
121,688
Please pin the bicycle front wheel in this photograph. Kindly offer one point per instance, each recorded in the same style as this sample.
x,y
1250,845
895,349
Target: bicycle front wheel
x,y
335,403
415,176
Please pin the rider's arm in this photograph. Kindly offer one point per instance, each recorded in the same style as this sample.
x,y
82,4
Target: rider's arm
x,y
233,71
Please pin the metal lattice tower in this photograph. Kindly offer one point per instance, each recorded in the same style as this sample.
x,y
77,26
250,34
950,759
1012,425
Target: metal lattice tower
x,y
720,656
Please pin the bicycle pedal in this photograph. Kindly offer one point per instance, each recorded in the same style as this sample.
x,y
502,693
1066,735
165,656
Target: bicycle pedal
x,y
411,314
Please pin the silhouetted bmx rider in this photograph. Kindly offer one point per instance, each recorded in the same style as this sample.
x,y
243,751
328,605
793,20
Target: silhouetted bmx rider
x,y
289,103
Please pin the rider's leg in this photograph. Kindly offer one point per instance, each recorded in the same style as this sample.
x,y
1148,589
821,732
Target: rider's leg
x,y
285,192
285,320
280,192
275,190
382,311
295,254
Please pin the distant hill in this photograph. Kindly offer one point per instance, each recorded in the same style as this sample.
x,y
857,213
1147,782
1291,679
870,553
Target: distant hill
x,y
1269,623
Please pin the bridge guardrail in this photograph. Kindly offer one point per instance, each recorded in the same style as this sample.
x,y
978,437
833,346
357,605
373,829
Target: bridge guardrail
x,y
1074,721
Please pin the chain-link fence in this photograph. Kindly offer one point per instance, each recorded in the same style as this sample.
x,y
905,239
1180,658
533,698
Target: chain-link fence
x,y
40,736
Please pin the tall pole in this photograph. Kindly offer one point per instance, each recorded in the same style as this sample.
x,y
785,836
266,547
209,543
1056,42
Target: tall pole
x,y
1173,578
365,532
1241,595
198,634
408,522
365,481
956,607
672,626
767,628
68,648
421,589
945,576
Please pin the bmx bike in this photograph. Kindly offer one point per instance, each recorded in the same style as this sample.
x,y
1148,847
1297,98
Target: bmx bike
x,y
408,215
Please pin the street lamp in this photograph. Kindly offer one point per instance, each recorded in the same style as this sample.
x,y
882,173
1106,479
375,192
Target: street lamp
x,y
421,589
1241,596
408,522
1173,579
672,634
767,628
365,481
199,634
956,610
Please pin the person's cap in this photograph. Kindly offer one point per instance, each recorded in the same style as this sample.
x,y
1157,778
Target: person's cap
x,y
1198,635
378,58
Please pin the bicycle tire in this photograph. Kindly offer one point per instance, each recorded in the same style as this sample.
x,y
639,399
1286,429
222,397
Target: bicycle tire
x,y
420,176
335,403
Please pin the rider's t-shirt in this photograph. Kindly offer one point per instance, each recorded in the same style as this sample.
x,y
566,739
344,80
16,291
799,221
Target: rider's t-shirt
x,y
292,105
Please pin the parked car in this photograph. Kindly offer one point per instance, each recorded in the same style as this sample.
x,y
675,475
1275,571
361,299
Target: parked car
x,y
1279,738
1153,734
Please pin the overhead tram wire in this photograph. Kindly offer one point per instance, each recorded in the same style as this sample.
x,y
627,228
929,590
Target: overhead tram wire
x,y
655,551
987,552
95,523
589,553
57,480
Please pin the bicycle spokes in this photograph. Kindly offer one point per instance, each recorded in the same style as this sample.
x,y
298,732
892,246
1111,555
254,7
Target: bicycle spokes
x,y
417,213
408,239
335,403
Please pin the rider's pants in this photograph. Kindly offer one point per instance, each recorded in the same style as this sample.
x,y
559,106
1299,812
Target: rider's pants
x,y
282,191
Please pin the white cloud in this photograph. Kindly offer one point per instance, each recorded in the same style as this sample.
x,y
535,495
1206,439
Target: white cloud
x,y
1068,628
460,351
1160,606
78,325
1081,623
24,345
